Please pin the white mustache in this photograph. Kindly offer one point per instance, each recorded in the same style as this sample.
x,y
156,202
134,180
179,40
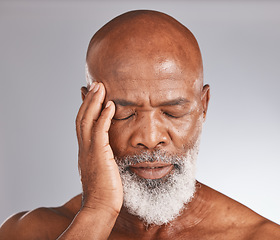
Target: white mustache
x,y
155,156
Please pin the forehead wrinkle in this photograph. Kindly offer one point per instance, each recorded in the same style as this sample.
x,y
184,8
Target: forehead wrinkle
x,y
135,89
173,101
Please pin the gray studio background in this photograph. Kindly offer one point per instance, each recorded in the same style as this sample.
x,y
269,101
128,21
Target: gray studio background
x,y
42,56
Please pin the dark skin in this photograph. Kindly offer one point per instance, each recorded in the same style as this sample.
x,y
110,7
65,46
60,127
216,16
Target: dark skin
x,y
148,94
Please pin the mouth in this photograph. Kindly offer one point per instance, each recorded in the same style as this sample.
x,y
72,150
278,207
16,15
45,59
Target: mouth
x,y
154,170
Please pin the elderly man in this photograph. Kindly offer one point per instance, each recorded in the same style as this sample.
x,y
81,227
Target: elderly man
x,y
138,131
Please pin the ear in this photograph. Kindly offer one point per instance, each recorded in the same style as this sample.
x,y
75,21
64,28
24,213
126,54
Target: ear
x,y
205,97
84,92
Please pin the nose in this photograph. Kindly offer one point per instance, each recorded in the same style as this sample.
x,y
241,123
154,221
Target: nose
x,y
150,132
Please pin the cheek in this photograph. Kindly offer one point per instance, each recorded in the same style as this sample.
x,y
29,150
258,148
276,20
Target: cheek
x,y
186,132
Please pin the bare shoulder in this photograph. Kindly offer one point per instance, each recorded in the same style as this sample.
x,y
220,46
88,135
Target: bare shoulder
x,y
41,223
267,230
235,219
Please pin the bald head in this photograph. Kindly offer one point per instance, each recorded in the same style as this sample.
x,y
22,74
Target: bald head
x,y
147,42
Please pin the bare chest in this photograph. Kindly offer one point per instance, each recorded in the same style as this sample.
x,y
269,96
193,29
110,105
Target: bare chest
x,y
229,234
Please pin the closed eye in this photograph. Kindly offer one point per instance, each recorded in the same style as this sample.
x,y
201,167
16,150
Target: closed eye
x,y
175,115
120,119
170,115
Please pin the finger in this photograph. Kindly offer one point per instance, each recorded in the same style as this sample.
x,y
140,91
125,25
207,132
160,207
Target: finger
x,y
100,131
87,99
84,119
82,109
92,113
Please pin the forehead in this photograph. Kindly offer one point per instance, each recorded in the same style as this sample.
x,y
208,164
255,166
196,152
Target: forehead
x,y
138,77
150,88
141,65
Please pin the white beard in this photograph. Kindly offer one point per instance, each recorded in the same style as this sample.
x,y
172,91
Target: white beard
x,y
159,201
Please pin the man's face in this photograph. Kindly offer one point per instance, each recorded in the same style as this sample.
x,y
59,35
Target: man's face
x,y
158,106
154,134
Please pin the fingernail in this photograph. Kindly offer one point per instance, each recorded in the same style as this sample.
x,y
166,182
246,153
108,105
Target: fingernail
x,y
108,104
92,86
95,89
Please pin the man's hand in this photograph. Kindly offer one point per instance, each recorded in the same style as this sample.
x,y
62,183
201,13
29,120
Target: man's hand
x,y
102,187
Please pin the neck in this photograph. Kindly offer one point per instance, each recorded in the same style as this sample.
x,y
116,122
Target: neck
x,y
193,213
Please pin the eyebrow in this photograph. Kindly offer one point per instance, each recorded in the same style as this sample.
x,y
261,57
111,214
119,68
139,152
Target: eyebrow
x,y
124,103
174,102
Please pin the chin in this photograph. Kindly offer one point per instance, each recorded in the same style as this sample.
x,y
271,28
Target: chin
x,y
159,201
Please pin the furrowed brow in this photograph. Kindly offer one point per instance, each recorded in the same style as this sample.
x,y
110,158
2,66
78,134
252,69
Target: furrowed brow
x,y
124,103
174,102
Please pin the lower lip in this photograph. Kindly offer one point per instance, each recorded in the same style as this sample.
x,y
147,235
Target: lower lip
x,y
152,173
